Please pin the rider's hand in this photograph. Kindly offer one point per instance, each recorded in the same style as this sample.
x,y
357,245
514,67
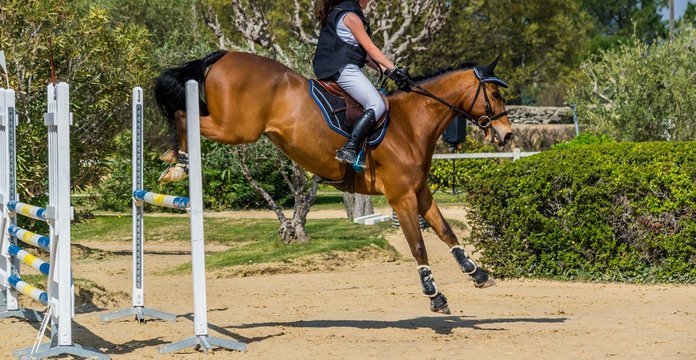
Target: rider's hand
x,y
400,77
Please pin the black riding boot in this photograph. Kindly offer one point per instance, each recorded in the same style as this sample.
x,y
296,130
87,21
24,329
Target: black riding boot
x,y
363,125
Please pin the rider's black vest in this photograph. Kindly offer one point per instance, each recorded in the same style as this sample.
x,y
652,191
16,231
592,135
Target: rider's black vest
x,y
333,54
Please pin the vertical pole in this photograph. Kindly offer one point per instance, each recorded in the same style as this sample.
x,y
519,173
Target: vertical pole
x,y
671,20
12,122
4,170
200,320
516,154
63,210
52,283
575,118
454,177
200,340
8,117
138,207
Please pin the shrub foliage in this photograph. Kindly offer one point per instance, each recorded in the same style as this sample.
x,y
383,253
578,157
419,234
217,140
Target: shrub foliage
x,y
641,92
604,211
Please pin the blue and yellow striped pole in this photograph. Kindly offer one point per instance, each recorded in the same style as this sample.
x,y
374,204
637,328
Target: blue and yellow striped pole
x,y
27,210
29,259
28,289
29,237
176,202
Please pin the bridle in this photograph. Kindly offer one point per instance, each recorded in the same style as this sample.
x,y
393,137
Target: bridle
x,y
484,121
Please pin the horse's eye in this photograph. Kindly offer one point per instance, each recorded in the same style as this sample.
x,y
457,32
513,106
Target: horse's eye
x,y
496,95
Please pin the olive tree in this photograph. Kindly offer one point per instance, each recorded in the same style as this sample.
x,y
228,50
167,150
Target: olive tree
x,y
101,60
640,92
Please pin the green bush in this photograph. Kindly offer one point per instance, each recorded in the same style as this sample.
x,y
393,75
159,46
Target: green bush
x,y
584,139
604,211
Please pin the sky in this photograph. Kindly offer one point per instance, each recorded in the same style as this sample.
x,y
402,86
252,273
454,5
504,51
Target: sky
x,y
679,8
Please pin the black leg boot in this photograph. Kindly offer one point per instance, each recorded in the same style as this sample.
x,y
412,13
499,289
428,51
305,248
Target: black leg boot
x,y
363,125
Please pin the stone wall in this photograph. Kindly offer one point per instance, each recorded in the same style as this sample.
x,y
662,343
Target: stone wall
x,y
543,115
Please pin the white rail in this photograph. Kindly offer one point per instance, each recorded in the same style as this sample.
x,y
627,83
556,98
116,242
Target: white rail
x,y
514,155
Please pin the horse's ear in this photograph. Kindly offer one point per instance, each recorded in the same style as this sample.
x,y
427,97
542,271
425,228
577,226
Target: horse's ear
x,y
492,65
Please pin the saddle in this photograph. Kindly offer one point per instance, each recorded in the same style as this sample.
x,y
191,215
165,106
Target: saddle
x,y
340,110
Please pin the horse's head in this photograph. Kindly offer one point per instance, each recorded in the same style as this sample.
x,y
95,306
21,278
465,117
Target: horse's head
x,y
487,106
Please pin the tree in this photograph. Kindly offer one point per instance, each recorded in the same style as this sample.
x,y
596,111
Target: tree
x,y
304,191
539,43
641,92
625,18
689,18
99,59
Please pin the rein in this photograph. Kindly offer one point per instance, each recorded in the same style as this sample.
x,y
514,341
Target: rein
x,y
483,122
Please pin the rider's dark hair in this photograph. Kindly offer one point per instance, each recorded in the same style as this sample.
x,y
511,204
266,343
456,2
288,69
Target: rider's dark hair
x,y
322,9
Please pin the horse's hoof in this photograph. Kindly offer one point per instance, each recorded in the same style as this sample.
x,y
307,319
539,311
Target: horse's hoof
x,y
482,279
485,284
438,304
173,174
169,156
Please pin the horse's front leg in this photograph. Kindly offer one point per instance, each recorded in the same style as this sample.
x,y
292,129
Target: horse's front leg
x,y
178,155
406,211
431,213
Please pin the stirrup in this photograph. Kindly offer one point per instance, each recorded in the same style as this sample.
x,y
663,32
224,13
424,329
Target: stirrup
x,y
359,165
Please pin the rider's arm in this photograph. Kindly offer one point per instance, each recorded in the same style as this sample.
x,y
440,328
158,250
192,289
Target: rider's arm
x,y
356,26
374,65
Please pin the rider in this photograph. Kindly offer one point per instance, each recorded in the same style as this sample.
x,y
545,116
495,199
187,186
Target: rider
x,y
344,48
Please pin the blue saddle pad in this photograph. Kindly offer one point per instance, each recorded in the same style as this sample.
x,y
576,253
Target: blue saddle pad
x,y
333,108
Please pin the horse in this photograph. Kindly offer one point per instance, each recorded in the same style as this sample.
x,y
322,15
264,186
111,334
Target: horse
x,y
246,96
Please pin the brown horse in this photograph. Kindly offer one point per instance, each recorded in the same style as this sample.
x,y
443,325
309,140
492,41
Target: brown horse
x,y
246,96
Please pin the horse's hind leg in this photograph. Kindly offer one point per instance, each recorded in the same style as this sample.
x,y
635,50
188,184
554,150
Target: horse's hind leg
x,y
408,219
429,210
178,155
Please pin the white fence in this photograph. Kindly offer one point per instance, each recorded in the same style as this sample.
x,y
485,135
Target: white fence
x,y
514,155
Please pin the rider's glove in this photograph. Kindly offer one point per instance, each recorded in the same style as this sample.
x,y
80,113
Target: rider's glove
x,y
400,77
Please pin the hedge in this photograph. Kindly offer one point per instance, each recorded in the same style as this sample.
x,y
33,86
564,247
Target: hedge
x,y
607,211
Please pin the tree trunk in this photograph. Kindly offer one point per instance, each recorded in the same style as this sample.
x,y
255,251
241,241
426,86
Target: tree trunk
x,y
291,230
357,205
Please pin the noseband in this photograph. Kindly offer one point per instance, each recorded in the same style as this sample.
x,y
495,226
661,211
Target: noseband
x,y
483,122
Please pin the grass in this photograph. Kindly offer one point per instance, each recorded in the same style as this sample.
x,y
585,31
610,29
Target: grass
x,y
327,236
255,240
251,240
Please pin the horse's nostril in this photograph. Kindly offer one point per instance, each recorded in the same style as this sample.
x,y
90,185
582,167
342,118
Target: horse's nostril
x,y
508,136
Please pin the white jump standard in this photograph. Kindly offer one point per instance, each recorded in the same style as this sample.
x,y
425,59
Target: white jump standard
x,y
9,265
138,308
200,313
58,214
193,204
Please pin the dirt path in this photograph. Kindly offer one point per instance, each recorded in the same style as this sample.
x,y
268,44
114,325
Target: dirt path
x,y
372,309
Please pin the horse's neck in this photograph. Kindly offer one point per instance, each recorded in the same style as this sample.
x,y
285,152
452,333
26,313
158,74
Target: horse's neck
x,y
429,117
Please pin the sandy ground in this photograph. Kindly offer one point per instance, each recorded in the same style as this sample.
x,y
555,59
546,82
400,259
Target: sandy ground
x,y
366,306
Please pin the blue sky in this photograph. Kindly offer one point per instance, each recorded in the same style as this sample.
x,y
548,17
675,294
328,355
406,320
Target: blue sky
x,y
679,8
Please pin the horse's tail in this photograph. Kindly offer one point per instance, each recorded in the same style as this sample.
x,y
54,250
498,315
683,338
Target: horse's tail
x,y
170,85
